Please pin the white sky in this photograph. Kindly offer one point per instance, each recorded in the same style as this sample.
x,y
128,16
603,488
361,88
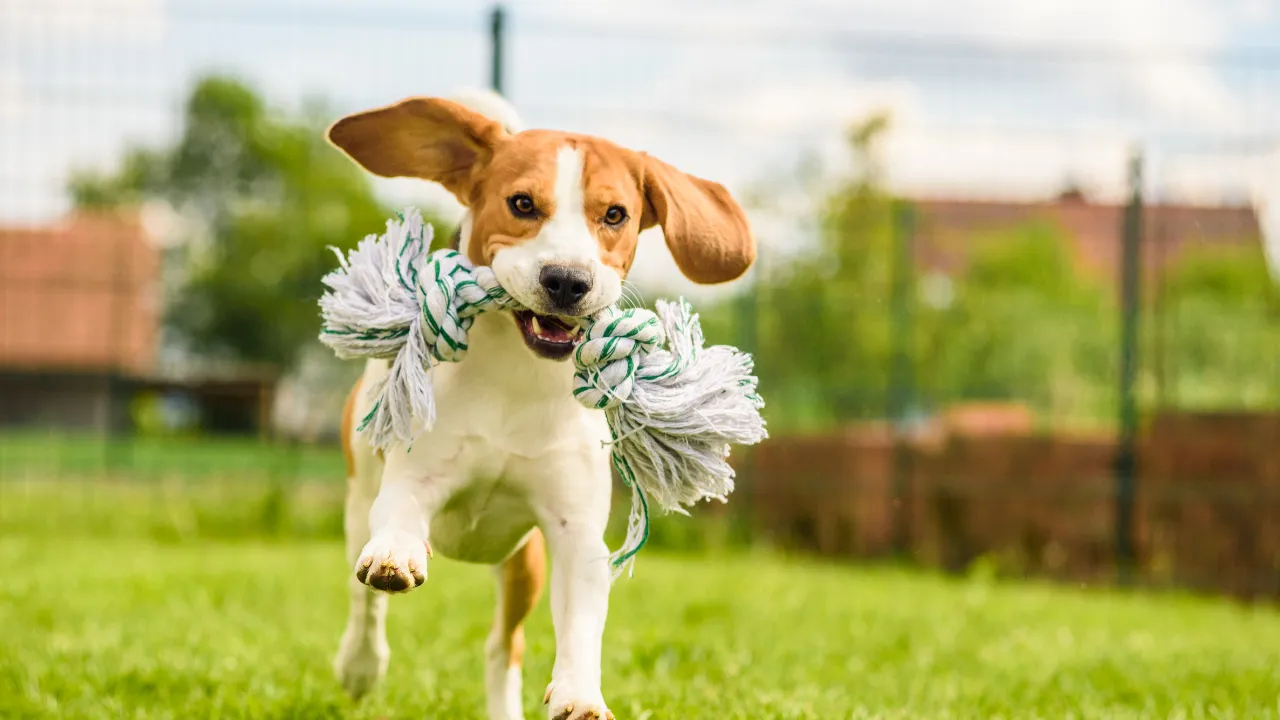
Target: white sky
x,y
991,97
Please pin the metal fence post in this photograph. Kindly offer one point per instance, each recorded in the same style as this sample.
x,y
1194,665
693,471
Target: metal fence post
x,y
1126,461
901,395
497,38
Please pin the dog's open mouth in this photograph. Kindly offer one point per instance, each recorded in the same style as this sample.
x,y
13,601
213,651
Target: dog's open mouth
x,y
548,336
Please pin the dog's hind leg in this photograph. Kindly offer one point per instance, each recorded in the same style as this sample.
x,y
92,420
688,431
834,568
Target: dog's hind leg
x,y
520,580
363,652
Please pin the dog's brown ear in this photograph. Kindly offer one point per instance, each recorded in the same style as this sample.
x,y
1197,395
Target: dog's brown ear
x,y
428,138
706,230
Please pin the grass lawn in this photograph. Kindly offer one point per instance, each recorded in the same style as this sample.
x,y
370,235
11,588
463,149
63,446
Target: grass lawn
x,y
78,455
118,627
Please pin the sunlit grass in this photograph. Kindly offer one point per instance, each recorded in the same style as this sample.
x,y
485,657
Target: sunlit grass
x,y
130,628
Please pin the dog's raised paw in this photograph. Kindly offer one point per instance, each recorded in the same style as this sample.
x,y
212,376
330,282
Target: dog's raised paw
x,y
393,562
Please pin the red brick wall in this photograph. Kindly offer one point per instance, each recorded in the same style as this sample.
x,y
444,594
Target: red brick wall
x,y
1208,513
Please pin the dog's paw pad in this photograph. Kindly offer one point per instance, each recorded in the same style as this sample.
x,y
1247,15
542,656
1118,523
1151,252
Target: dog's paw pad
x,y
560,709
395,562
571,711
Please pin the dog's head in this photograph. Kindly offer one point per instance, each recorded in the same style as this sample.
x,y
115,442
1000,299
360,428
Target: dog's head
x,y
556,215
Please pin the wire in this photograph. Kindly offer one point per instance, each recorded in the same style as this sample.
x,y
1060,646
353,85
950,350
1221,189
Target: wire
x,y
897,45
554,26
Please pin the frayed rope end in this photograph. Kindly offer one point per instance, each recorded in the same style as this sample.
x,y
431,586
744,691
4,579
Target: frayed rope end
x,y
672,436
371,311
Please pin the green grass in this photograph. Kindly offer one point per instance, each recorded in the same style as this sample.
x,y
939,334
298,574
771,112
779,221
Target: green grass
x,y
78,455
96,628
196,579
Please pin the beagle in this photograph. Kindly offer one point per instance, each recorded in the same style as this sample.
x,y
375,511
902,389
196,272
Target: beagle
x,y
514,463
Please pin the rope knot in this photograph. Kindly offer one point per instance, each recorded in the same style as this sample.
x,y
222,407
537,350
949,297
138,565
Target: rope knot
x,y
610,354
451,292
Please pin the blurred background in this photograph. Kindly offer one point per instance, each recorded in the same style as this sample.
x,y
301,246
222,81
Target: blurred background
x,y
1016,306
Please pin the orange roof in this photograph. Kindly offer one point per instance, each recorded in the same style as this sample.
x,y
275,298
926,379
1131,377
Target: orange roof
x,y
79,294
946,229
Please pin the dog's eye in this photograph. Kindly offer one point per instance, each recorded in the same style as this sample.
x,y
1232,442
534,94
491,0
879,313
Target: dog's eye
x,y
615,215
522,206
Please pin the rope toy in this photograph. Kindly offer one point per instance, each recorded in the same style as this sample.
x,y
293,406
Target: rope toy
x,y
673,406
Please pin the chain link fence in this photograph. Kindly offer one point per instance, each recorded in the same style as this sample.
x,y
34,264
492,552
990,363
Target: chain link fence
x,y
943,252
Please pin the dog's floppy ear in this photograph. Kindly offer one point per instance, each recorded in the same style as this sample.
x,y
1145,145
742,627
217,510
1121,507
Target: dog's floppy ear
x,y
706,230
428,138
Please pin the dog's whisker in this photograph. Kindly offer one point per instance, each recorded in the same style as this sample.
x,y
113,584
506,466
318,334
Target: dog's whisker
x,y
631,296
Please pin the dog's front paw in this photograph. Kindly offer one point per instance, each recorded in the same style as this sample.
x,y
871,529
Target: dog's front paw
x,y
393,562
567,705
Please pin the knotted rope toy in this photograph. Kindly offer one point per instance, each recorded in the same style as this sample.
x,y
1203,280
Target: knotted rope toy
x,y
673,406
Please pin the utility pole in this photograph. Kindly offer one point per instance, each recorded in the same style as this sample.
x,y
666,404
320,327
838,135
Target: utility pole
x,y
901,395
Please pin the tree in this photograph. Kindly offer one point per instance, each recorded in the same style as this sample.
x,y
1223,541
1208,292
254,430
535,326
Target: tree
x,y
1024,326
1217,328
266,194
819,325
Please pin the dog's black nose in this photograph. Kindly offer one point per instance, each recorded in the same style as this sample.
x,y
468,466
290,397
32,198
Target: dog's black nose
x,y
566,286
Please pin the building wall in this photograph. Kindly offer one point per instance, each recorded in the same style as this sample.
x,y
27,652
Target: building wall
x,y
79,295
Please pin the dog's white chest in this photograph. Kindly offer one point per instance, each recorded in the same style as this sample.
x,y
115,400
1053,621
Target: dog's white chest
x,y
507,428
510,402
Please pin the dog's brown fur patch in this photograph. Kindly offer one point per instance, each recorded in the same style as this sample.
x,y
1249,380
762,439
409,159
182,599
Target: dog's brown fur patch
x,y
523,577
348,424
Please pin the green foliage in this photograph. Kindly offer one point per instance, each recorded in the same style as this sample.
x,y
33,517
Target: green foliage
x,y
1023,326
264,194
820,327
1227,275
1215,331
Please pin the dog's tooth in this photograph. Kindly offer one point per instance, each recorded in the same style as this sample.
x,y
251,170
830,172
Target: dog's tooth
x,y
537,327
